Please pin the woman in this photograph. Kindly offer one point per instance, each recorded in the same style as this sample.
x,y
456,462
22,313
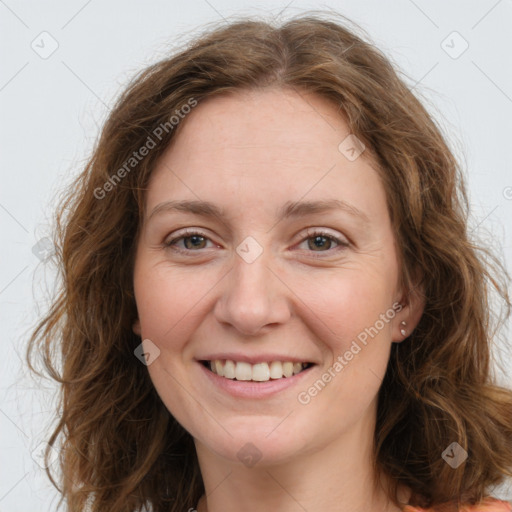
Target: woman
x,y
269,297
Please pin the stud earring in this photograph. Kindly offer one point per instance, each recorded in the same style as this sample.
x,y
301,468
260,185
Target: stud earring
x,y
403,332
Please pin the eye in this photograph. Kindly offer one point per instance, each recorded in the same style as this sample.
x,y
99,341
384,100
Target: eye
x,y
188,241
321,241
316,241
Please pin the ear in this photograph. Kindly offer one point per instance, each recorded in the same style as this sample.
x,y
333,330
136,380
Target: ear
x,y
409,316
136,327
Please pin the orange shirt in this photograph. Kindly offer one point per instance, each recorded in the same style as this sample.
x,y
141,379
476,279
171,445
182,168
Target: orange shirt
x,y
487,505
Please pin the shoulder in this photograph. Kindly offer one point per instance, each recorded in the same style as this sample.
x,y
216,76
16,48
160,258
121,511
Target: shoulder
x,y
486,505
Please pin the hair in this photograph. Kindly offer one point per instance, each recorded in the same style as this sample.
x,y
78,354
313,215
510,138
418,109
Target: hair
x,y
120,448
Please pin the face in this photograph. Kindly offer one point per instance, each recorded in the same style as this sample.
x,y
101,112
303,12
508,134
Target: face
x,y
267,243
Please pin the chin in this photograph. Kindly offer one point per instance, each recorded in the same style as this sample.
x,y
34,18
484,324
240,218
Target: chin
x,y
265,444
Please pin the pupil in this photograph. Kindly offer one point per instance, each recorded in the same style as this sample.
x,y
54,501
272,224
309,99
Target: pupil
x,y
319,242
194,241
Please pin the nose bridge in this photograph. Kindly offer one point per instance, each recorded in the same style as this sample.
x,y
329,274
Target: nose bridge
x,y
252,296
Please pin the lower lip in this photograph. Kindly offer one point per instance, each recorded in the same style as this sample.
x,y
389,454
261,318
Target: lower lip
x,y
251,389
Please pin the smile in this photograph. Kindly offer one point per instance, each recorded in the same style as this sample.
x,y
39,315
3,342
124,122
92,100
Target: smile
x,y
259,372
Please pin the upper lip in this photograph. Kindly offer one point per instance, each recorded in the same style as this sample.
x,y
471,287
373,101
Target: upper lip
x,y
253,359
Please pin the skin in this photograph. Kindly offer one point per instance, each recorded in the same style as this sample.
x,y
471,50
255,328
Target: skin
x,y
250,153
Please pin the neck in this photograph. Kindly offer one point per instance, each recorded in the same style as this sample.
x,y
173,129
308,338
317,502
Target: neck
x,y
337,477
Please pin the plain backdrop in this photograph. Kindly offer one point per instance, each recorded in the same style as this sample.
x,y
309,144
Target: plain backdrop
x,y
64,62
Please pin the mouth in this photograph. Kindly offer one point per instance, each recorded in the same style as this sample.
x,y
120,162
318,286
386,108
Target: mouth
x,y
259,372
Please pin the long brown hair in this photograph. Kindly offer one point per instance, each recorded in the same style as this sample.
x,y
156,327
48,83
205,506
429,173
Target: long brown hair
x,y
120,447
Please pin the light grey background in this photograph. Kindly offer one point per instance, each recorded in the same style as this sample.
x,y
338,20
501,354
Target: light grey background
x,y
52,107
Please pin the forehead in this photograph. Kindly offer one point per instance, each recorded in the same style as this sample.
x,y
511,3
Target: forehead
x,y
251,120
261,148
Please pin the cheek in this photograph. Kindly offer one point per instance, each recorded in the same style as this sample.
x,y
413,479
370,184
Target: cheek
x,y
348,302
171,306
354,317
352,312
169,301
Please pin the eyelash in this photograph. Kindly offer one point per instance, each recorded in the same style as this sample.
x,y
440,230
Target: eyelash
x,y
341,244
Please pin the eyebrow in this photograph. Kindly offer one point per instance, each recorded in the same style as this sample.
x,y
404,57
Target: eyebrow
x,y
290,209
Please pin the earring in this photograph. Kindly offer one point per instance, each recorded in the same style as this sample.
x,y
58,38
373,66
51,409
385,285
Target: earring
x,y
403,332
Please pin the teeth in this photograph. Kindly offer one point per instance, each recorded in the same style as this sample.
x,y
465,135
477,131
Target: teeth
x,y
243,371
297,367
276,370
288,369
259,372
229,369
219,367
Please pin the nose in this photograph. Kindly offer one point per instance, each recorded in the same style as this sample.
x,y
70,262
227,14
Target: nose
x,y
252,297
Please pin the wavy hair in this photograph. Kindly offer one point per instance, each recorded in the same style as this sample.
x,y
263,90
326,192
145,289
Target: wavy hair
x,y
120,448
